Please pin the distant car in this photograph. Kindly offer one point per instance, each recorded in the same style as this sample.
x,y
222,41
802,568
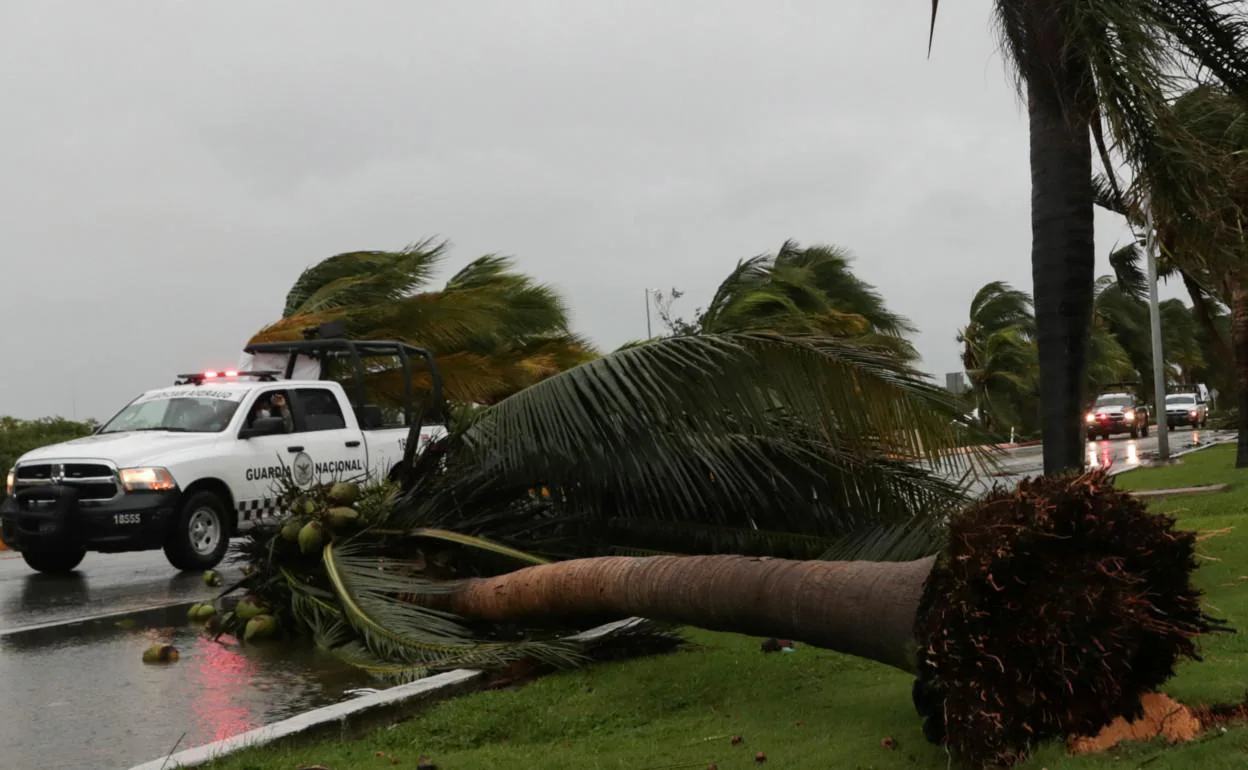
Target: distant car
x,y
1118,413
1186,409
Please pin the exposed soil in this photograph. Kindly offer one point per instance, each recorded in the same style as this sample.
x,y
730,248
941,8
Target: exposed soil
x,y
1163,718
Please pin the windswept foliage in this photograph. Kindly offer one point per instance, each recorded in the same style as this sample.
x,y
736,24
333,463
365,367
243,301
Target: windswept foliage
x,y
803,291
493,330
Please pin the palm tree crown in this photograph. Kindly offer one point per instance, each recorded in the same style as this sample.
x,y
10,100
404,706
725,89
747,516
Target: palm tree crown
x,y
493,330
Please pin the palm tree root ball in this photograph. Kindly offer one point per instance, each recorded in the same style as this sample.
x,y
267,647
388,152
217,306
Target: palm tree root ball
x,y
1053,609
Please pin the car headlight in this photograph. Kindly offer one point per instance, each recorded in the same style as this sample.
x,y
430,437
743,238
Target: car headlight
x,y
146,479
1128,415
10,481
1091,417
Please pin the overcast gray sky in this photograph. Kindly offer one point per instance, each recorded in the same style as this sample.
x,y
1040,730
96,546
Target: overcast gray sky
x,y
170,166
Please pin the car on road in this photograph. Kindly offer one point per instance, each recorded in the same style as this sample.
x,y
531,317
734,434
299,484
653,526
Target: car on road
x,y
1118,412
185,468
1187,408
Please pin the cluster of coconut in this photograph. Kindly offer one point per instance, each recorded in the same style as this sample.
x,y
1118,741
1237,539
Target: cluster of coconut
x,y
310,514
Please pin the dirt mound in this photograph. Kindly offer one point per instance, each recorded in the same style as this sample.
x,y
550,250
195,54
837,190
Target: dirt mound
x,y
1163,718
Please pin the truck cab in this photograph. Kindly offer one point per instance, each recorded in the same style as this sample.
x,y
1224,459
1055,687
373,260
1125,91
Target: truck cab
x,y
1117,411
184,468
1188,406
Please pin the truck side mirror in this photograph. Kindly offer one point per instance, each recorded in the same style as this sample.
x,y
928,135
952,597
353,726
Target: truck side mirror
x,y
263,426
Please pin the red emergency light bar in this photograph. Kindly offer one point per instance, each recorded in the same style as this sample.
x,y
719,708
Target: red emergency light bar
x,y
198,378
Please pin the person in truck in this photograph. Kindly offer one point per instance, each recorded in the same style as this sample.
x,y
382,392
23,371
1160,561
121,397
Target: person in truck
x,y
265,407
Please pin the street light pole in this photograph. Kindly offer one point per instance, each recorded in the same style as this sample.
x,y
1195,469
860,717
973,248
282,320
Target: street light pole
x,y
1154,322
649,336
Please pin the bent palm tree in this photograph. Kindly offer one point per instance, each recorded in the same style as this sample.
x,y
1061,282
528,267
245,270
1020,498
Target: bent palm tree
x,y
1092,70
811,290
493,330
998,351
1207,149
1205,310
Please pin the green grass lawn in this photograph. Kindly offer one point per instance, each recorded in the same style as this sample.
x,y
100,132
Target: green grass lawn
x,y
807,709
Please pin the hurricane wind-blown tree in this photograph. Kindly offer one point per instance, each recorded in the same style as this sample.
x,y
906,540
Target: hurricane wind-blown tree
x,y
1207,150
1094,71
998,353
801,290
493,330
1040,612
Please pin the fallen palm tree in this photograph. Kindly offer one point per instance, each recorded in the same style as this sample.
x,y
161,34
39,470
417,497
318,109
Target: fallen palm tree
x,y
1052,609
677,473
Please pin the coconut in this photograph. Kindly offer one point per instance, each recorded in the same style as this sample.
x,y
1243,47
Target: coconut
x,y
201,611
342,517
260,627
250,607
344,493
160,653
290,529
310,537
212,578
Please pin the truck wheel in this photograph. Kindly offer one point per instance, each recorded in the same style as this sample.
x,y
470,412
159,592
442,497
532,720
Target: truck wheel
x,y
1135,433
1144,429
56,561
199,535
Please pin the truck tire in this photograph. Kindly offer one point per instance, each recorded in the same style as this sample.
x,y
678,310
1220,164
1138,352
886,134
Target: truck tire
x,y
54,561
1144,429
199,534
1135,433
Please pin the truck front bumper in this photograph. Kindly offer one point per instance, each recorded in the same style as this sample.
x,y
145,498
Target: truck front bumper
x,y
52,516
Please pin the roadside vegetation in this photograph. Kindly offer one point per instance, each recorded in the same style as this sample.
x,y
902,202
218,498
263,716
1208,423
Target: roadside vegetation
x,y
20,436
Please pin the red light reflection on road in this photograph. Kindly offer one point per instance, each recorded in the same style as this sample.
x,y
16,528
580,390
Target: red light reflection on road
x,y
1100,454
220,676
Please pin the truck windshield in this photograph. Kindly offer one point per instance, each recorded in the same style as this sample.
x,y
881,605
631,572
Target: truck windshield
x,y
176,414
1114,401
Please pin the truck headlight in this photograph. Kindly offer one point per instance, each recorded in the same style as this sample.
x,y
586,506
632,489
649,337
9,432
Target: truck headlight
x,y
146,479
1128,415
9,481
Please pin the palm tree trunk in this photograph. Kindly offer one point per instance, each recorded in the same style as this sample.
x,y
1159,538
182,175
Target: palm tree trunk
x,y
1063,266
861,608
1239,340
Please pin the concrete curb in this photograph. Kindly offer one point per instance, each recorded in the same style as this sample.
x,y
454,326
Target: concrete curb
x,y
386,704
1207,488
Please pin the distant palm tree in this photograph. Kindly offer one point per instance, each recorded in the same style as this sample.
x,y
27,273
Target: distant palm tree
x,y
1127,262
494,330
998,352
1103,71
811,290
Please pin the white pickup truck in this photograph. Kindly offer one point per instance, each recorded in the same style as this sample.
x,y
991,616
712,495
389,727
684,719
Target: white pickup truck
x,y
185,468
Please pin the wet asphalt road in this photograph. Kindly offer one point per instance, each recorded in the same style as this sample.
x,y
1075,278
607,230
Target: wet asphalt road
x,y
75,694
1119,452
104,583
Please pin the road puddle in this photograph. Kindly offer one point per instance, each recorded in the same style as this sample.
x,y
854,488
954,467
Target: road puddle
x,y
78,696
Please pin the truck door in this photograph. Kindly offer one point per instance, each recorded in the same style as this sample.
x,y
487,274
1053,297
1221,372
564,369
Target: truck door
x,y
257,465
328,442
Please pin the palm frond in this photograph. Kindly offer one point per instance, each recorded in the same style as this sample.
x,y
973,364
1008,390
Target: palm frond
x,y
396,629
363,278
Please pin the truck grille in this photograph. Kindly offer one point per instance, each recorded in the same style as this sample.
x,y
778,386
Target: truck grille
x,y
93,481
